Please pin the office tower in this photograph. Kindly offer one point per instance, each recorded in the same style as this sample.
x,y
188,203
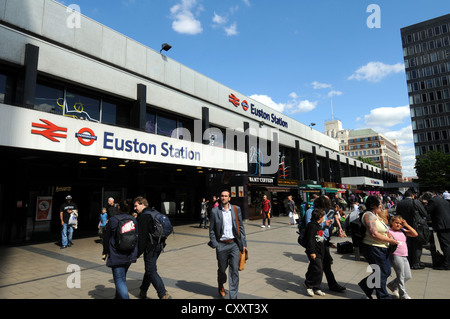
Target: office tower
x,y
426,50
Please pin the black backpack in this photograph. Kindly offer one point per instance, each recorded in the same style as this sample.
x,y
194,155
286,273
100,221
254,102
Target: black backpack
x,y
301,231
162,227
357,230
126,234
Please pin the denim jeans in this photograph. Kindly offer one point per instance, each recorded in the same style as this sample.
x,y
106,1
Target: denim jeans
x,y
151,275
120,280
377,256
66,234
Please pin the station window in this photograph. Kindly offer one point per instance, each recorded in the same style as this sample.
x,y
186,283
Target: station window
x,y
57,99
3,80
49,99
162,124
82,107
115,113
165,125
6,89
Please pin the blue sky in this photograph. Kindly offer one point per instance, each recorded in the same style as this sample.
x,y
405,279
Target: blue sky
x,y
297,56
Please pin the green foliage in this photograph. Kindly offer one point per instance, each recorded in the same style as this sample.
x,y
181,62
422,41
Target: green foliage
x,y
433,169
367,161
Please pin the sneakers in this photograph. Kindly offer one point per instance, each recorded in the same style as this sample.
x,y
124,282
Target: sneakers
x,y
311,292
394,289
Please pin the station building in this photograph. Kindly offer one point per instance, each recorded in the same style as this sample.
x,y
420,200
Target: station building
x,y
87,111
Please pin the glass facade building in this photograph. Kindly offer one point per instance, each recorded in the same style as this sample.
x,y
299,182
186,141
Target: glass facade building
x,y
426,51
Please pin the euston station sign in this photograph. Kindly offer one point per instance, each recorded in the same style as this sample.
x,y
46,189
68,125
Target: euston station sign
x,y
257,112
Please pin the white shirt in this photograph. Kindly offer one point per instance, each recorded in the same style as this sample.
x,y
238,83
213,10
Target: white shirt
x,y
227,224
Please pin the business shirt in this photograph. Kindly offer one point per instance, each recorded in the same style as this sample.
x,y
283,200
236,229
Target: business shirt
x,y
227,225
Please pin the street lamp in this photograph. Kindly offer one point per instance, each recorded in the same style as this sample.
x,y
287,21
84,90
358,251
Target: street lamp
x,y
165,47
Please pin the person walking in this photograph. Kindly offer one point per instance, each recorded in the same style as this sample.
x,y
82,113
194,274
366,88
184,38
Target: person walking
x,y
291,210
203,213
375,249
103,219
439,210
323,203
112,208
315,250
66,209
227,236
119,258
151,250
266,209
411,209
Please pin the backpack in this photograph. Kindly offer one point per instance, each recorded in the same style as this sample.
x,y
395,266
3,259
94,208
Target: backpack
x,y
126,236
301,231
357,230
162,227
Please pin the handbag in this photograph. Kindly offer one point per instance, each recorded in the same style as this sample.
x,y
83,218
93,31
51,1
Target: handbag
x,y
243,255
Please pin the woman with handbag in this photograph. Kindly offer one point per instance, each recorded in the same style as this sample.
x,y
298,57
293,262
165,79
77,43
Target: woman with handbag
x,y
375,248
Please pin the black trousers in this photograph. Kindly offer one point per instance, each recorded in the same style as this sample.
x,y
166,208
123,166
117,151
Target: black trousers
x,y
313,277
444,240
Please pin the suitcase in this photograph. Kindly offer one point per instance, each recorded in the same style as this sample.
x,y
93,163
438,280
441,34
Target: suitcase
x,y
345,248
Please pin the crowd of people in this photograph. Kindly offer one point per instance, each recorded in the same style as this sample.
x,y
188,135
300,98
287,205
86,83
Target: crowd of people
x,y
397,228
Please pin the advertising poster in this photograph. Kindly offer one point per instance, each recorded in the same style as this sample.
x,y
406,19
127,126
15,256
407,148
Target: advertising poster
x,y
44,208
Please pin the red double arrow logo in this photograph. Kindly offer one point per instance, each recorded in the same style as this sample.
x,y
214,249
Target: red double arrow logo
x,y
49,131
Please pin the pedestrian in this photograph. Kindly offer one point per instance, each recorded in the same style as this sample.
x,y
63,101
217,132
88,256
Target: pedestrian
x,y
291,210
227,236
399,258
112,208
375,249
102,223
120,259
315,251
67,226
151,250
203,213
439,210
323,203
266,209
411,209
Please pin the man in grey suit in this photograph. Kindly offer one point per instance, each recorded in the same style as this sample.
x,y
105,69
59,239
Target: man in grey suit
x,y
228,242
439,209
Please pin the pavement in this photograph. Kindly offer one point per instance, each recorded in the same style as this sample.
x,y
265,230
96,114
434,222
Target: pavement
x,y
275,270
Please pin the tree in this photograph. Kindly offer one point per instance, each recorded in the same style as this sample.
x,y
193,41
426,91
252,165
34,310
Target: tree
x,y
367,161
433,169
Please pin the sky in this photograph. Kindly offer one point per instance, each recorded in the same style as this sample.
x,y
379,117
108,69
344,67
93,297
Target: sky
x,y
314,61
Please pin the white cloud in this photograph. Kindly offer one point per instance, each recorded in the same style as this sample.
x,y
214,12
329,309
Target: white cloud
x,y
247,2
376,71
185,21
302,107
317,85
291,107
387,116
232,30
219,20
334,92
267,100
403,136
